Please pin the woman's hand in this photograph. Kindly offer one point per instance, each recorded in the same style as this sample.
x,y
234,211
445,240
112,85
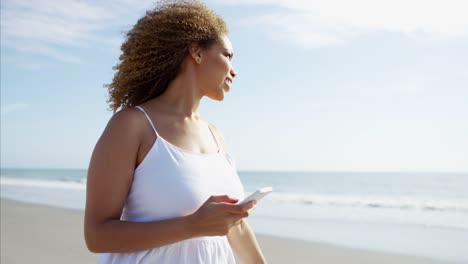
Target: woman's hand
x,y
217,215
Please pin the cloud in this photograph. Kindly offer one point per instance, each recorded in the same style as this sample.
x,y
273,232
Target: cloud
x,y
51,27
10,108
323,23
43,49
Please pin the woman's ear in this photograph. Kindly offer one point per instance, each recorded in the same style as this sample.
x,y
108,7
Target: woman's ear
x,y
196,52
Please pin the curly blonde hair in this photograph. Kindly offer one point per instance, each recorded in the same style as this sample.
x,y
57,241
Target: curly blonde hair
x,y
155,48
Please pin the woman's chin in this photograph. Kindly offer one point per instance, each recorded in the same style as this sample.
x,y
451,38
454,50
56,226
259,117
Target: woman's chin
x,y
218,96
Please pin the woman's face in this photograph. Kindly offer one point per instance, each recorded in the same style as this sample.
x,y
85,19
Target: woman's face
x,y
217,73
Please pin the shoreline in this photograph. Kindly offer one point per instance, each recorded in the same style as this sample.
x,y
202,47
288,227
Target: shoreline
x,y
41,233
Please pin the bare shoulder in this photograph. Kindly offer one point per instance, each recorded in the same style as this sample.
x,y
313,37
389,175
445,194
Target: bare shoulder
x,y
126,121
120,140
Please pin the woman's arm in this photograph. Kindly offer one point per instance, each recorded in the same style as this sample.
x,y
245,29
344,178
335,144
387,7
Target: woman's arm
x,y
110,176
241,237
243,242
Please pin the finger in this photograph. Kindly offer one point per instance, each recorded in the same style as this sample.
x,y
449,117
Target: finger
x,y
238,222
239,209
222,199
238,218
249,205
233,208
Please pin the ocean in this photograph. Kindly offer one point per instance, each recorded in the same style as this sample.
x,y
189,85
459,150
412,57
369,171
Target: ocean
x,y
419,214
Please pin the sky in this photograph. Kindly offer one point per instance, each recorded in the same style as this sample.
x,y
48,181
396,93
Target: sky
x,y
321,85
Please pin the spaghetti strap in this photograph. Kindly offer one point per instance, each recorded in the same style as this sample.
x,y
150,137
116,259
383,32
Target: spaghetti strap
x,y
219,150
149,119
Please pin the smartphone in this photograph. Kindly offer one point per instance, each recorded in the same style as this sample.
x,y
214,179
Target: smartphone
x,y
257,195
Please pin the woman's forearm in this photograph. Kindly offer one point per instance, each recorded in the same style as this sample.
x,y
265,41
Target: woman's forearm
x,y
121,236
243,242
216,217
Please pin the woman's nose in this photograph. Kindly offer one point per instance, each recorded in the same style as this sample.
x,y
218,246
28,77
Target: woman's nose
x,y
233,73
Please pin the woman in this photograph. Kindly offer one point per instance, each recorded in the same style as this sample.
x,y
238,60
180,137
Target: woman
x,y
161,188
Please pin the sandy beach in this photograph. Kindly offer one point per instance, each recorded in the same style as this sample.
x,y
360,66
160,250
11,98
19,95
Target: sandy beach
x,y
40,234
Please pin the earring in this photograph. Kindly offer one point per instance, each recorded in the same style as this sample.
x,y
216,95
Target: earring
x,y
198,60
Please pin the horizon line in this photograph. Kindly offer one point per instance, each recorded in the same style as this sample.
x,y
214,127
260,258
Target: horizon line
x,y
268,170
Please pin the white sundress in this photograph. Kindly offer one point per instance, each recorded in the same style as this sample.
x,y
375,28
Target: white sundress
x,y
172,182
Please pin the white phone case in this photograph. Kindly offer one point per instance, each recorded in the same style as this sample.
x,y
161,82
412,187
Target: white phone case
x,y
257,195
